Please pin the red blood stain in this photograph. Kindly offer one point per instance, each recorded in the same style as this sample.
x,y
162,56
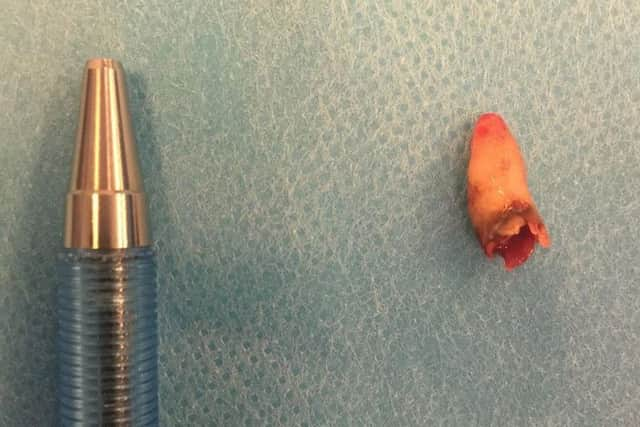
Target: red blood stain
x,y
490,123
517,248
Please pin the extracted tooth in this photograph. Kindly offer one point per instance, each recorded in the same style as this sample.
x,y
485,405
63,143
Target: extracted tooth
x,y
501,208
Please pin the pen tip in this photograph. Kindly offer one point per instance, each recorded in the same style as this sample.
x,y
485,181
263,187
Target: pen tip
x,y
96,63
105,204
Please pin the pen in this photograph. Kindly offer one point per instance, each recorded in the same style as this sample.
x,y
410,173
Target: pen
x,y
106,297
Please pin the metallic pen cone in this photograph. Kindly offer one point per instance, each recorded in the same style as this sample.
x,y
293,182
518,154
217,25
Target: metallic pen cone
x,y
105,204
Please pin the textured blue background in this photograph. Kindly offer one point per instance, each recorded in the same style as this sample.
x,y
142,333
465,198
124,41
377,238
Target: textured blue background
x,y
305,167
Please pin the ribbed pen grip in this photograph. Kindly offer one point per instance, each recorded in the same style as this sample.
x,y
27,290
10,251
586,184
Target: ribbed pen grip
x,y
107,342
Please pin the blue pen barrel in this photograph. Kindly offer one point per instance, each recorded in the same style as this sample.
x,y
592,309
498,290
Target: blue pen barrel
x,y
107,340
